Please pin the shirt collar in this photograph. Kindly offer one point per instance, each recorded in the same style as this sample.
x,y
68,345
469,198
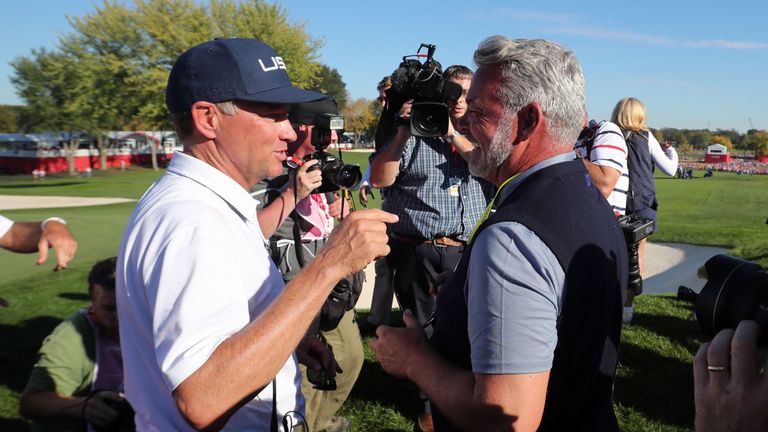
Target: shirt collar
x,y
512,185
216,181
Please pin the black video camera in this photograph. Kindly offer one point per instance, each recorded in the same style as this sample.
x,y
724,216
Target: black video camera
x,y
424,83
336,174
736,290
635,228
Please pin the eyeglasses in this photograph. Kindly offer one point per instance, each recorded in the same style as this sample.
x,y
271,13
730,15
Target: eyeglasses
x,y
381,99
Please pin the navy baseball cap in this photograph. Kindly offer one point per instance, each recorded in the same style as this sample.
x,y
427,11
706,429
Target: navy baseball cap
x,y
231,69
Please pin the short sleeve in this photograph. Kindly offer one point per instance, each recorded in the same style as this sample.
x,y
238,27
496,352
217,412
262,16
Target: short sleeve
x,y
199,297
5,225
63,363
513,298
609,148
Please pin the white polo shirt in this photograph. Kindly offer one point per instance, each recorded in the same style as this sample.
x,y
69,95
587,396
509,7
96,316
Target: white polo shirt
x,y
5,225
193,269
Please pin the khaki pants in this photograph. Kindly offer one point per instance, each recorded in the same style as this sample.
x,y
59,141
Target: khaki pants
x,y
348,349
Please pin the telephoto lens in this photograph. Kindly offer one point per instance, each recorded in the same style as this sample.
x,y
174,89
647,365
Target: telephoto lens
x,y
736,290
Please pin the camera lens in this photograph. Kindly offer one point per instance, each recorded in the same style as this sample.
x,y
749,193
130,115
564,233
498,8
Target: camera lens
x,y
736,290
429,119
347,177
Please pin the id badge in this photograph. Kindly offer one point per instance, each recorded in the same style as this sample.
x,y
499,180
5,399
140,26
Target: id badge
x,y
454,188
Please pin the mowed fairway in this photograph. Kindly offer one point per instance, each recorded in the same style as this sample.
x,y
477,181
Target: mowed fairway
x,y
654,387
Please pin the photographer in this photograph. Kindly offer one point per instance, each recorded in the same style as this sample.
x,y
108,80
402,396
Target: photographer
x,y
314,213
437,200
79,371
731,389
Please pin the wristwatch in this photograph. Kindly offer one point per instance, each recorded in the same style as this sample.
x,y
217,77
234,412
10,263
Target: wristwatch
x,y
449,139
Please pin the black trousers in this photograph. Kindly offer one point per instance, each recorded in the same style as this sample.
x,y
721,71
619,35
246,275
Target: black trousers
x,y
413,267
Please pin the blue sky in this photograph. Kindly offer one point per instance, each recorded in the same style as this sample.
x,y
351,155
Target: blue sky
x,y
694,64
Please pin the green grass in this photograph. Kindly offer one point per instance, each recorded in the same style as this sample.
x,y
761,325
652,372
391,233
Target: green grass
x,y
653,392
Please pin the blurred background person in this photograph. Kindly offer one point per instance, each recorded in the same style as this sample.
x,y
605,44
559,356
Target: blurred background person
x,y
78,378
383,290
645,153
313,218
437,199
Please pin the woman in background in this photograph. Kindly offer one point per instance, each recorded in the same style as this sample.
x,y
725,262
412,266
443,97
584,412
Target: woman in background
x,y
644,154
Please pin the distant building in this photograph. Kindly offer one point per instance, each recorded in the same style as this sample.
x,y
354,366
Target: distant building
x,y
717,153
25,153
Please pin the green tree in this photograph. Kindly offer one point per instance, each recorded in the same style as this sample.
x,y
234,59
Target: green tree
x,y
722,139
735,137
758,141
124,53
48,83
7,119
358,117
699,138
329,81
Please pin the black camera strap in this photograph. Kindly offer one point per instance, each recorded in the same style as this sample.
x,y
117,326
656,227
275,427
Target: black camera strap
x,y
274,422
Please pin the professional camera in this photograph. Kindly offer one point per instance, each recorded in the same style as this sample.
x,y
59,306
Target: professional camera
x,y
320,378
124,422
635,228
736,290
336,174
424,83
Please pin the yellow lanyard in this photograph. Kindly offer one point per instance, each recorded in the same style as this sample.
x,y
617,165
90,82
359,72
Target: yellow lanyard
x,y
489,209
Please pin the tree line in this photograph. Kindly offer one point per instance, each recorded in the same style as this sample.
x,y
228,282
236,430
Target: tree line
x,y
110,70
688,140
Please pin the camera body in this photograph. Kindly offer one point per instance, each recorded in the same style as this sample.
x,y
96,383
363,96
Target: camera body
x,y
635,228
124,422
424,83
736,290
336,174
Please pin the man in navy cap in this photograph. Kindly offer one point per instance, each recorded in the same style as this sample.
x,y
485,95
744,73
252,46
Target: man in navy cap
x,y
210,329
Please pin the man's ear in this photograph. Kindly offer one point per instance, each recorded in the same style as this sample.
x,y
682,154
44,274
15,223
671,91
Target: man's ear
x,y
205,119
529,119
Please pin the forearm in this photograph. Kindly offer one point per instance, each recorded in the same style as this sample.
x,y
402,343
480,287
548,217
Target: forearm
x,y
273,215
603,177
22,237
463,146
247,361
457,395
386,165
49,404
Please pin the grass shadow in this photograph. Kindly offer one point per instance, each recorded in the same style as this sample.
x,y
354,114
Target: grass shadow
x,y
13,425
659,387
75,296
19,348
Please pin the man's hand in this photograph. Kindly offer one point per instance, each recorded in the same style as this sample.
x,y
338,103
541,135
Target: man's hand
x,y
335,208
355,242
365,190
393,345
98,413
56,235
731,388
307,180
316,355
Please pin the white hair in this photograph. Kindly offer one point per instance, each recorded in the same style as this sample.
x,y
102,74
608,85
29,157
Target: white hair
x,y
538,71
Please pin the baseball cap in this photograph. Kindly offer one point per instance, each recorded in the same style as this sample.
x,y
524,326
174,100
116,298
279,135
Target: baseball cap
x,y
231,69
